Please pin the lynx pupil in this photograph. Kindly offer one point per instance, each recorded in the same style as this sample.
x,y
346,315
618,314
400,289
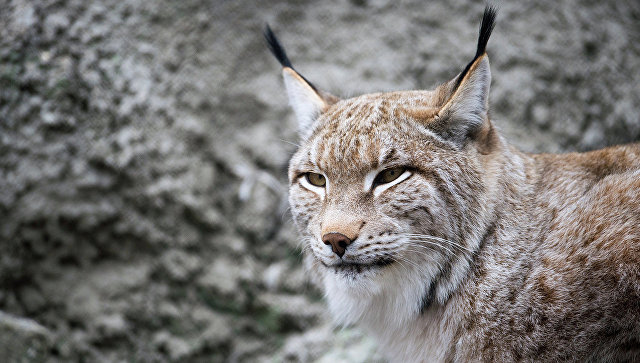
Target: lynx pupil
x,y
316,179
389,175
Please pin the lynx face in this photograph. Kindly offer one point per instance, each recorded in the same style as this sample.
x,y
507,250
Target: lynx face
x,y
377,175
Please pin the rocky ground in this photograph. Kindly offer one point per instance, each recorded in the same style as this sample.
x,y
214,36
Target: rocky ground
x,y
143,150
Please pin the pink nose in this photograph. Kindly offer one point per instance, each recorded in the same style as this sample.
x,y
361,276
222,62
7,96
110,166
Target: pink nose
x,y
338,242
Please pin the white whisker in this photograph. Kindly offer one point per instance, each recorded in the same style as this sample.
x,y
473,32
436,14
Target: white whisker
x,y
288,142
432,243
438,239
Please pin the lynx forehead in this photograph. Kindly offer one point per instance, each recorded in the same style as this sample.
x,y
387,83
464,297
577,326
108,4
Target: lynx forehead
x,y
423,226
374,127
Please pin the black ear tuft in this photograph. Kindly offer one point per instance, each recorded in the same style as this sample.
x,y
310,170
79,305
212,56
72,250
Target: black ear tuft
x,y
486,27
278,51
276,48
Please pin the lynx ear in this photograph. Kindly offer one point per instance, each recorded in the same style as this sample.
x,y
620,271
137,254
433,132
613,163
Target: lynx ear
x,y
306,100
466,111
307,103
465,100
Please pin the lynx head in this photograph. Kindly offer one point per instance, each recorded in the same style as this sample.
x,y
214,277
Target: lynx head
x,y
391,191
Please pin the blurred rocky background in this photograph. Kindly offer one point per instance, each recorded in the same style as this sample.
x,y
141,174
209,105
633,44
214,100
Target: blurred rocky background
x,y
144,145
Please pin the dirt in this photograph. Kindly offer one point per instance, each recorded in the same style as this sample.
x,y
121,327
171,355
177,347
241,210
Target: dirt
x,y
144,146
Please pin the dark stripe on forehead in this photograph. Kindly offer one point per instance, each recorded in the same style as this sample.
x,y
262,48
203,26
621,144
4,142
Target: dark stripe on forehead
x,y
319,155
389,156
358,113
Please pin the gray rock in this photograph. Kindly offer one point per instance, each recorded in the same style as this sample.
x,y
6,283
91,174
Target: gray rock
x,y
174,347
54,23
245,350
259,209
179,265
222,281
593,136
273,275
308,346
24,16
111,326
32,299
230,242
218,331
293,312
540,114
23,340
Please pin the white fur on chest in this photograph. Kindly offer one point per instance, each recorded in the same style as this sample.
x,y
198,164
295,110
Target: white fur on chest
x,y
388,309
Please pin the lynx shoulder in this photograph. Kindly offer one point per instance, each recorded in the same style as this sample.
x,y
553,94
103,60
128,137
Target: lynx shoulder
x,y
424,227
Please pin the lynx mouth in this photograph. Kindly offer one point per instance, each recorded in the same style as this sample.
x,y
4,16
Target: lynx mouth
x,y
358,267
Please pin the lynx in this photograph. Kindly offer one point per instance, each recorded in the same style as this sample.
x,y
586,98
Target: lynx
x,y
426,229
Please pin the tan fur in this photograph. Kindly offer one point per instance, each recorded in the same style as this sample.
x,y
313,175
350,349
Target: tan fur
x,y
342,222
482,253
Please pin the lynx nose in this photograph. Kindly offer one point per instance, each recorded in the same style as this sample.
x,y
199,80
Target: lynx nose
x,y
338,242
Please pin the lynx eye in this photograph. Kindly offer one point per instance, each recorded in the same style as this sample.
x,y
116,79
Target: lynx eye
x,y
389,175
316,179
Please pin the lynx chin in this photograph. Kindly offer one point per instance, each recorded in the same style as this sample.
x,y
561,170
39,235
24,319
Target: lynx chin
x,y
426,229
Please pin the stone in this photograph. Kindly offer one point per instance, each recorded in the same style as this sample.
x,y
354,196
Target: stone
x,y
223,276
273,275
111,326
307,346
23,339
179,265
24,16
55,23
593,136
174,347
32,299
540,114
294,312
218,329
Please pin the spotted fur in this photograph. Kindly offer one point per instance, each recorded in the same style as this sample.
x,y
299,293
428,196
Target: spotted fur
x,y
479,252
